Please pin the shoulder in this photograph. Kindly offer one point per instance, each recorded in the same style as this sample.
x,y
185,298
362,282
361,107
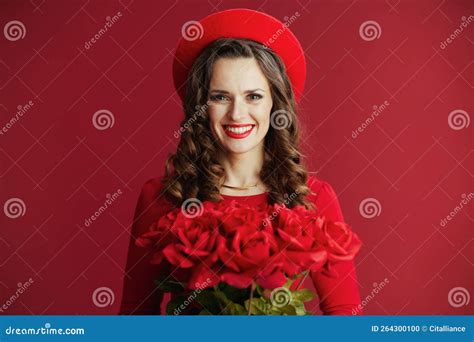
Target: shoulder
x,y
151,193
152,187
324,198
319,188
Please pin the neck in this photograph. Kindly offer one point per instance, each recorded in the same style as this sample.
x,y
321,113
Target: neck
x,y
243,169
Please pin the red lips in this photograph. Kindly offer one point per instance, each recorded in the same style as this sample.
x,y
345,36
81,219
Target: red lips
x,y
238,131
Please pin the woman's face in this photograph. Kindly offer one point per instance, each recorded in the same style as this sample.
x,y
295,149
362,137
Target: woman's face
x,y
240,103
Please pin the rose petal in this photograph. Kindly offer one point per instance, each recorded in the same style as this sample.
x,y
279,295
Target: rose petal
x,y
203,277
292,241
174,256
240,281
272,281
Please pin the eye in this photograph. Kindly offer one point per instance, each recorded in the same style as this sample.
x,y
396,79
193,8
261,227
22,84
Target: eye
x,y
218,98
255,97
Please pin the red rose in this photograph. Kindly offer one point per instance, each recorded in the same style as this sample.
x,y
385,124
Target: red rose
x,y
296,230
195,240
159,234
249,255
235,215
240,245
340,241
235,222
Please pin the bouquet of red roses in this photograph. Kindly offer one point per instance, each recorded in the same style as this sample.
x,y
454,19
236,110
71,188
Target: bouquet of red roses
x,y
237,259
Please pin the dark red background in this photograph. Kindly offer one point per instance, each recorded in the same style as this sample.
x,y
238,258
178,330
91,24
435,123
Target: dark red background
x,y
409,158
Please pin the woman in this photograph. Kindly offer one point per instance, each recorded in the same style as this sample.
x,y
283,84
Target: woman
x,y
240,142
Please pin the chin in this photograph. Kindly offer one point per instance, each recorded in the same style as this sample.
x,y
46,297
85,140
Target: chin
x,y
239,148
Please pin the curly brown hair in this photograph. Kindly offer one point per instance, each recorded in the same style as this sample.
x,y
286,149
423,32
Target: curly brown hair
x,y
194,171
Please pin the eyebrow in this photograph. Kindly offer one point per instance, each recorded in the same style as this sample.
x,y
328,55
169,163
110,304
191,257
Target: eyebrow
x,y
245,92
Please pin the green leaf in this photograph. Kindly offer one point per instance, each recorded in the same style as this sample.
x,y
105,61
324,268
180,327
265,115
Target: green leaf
x,y
285,310
259,306
235,309
222,297
234,294
207,300
169,285
260,290
173,307
303,295
299,307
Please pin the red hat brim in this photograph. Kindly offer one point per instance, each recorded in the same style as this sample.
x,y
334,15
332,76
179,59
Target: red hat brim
x,y
245,24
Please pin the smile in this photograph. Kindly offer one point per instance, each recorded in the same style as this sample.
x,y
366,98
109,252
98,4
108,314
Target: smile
x,y
238,131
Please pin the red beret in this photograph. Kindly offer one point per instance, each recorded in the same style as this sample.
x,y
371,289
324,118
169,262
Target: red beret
x,y
240,23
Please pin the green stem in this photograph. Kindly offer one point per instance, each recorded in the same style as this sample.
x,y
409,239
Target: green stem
x,y
252,289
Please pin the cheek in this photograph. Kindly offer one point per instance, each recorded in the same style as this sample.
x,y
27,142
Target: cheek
x,y
263,119
216,114
215,117
264,124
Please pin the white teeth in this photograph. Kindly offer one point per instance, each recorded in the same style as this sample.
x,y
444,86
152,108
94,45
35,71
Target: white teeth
x,y
238,130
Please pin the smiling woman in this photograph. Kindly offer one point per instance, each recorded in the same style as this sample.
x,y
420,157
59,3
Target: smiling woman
x,y
244,147
238,143
241,140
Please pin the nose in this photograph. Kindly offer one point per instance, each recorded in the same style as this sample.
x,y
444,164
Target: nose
x,y
237,110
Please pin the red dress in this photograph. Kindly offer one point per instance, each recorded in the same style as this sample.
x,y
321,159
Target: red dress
x,y
338,296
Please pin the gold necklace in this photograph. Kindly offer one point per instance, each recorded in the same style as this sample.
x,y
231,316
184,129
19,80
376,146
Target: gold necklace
x,y
239,187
